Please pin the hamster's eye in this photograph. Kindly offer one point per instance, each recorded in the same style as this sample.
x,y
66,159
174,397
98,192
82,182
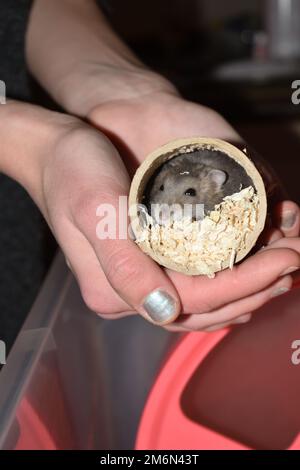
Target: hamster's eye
x,y
162,187
190,192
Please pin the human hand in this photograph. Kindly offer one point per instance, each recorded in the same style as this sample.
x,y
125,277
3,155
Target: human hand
x,y
71,171
139,125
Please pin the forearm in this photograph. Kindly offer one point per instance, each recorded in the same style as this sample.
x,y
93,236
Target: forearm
x,y
70,45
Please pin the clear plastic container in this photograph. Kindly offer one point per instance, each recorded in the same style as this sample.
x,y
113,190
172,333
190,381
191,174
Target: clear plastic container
x,y
73,380
76,381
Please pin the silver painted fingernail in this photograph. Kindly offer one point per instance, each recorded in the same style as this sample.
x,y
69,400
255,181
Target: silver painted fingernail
x,y
160,306
288,220
279,291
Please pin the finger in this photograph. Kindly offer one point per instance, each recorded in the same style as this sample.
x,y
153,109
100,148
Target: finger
x,y
138,280
239,321
271,235
97,293
286,217
290,243
201,294
233,311
274,235
134,276
218,326
242,319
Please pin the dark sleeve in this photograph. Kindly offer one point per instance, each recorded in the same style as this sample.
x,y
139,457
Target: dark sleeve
x,y
14,15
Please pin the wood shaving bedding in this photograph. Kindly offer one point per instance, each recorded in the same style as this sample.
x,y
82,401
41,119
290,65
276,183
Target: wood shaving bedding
x,y
207,245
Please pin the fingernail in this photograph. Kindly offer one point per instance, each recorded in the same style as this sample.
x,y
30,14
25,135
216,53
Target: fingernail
x,y
289,270
160,306
288,220
243,318
68,263
279,291
131,233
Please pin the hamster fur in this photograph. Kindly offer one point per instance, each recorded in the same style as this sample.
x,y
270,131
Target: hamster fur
x,y
196,181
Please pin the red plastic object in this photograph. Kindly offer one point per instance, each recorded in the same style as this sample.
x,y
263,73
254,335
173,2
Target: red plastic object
x,y
163,424
33,433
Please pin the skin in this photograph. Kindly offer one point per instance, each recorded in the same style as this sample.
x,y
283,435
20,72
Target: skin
x,y
69,168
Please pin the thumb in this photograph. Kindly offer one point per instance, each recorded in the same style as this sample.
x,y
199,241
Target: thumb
x,y
138,280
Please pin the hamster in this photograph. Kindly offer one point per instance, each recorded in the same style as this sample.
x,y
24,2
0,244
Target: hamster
x,y
194,183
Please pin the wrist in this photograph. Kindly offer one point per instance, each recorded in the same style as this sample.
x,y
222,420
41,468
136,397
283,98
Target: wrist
x,y
93,85
73,52
27,133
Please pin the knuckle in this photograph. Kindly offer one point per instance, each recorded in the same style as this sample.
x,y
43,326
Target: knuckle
x,y
90,205
202,305
201,301
85,206
295,257
207,306
121,268
92,300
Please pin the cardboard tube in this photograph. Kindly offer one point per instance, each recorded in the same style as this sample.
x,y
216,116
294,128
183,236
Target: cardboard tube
x,y
184,146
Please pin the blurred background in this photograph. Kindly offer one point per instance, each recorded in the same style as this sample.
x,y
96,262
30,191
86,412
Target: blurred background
x,y
239,57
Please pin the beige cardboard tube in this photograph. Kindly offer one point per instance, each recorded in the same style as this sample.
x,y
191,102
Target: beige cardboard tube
x,y
182,146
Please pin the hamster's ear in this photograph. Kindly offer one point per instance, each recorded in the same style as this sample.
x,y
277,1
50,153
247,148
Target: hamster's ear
x,y
218,176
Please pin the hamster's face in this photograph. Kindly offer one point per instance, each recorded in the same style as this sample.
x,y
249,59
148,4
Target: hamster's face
x,y
195,194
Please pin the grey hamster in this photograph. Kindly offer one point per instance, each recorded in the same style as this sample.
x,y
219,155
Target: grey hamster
x,y
195,182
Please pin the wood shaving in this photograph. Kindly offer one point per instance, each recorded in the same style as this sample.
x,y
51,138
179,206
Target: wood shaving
x,y
206,246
